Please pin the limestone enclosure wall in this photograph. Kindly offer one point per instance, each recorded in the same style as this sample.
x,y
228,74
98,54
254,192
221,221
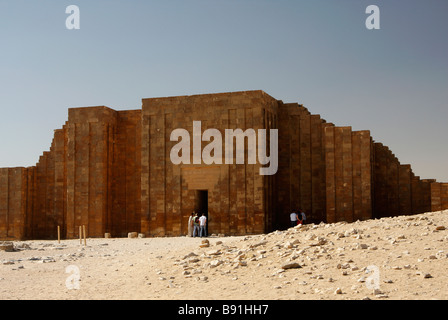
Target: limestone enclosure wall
x,y
439,196
348,174
301,174
13,183
111,171
239,199
90,176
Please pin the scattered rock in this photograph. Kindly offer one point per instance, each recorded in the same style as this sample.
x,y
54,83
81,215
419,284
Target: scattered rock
x,y
204,244
213,252
320,242
191,254
424,274
132,235
6,246
293,265
377,292
262,243
338,291
22,246
46,260
193,260
215,263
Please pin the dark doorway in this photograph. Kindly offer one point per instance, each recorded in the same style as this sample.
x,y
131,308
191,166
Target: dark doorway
x,y
201,204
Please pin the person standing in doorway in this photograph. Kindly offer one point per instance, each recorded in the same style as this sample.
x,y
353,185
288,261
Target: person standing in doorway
x,y
203,225
195,225
190,224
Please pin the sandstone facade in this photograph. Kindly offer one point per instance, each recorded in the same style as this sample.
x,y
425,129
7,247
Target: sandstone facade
x,y
111,171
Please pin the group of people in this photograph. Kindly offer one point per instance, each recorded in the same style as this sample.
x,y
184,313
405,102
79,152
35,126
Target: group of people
x,y
297,218
197,225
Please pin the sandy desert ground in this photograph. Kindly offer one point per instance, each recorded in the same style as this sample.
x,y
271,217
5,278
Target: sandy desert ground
x,y
395,258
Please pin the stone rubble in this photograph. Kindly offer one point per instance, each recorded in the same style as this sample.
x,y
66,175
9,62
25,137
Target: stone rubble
x,y
329,261
317,247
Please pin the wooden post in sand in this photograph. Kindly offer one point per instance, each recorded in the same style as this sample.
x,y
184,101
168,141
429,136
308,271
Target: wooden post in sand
x,y
59,234
80,235
85,238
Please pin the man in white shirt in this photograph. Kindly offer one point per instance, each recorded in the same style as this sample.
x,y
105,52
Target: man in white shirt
x,y
202,225
293,218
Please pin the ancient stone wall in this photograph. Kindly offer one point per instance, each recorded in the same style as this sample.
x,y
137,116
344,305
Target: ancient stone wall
x,y
439,196
239,198
348,174
89,159
397,191
124,183
13,182
111,171
90,176
336,174
103,171
301,174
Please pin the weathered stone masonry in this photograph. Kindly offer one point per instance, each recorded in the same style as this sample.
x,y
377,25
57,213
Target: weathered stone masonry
x,y
111,171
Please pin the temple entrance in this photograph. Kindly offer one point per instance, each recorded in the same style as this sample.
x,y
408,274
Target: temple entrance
x,y
201,204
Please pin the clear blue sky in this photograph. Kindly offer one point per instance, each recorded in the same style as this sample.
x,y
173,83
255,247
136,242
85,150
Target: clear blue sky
x,y
392,81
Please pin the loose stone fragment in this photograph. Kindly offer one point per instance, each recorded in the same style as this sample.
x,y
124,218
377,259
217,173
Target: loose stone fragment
x,y
6,246
293,265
